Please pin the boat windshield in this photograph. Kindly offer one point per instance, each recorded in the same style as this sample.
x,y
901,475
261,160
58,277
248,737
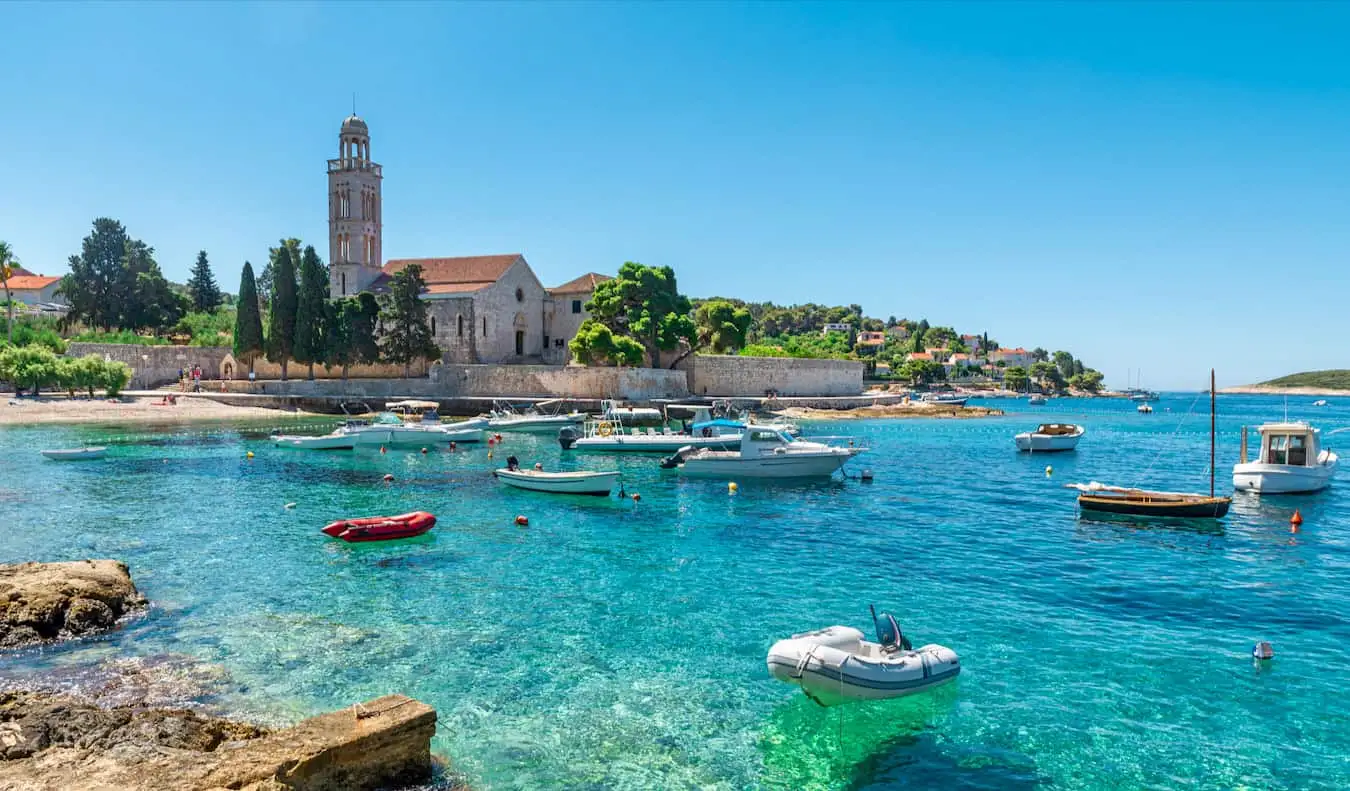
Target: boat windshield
x,y
388,419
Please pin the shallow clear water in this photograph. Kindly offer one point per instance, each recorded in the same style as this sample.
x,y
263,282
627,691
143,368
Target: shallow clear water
x,y
614,645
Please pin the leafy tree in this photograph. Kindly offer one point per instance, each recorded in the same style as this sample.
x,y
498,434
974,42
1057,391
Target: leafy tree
x,y
892,322
339,315
152,303
1047,375
643,303
115,377
28,367
922,371
248,331
1039,355
1015,378
596,344
872,325
939,337
1064,362
267,277
722,326
310,312
957,346
403,315
90,373
1078,369
114,283
764,350
365,321
1089,381
8,264
281,321
202,286
65,375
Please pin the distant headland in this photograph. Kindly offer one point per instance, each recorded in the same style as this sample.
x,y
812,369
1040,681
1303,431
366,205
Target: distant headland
x,y
1330,382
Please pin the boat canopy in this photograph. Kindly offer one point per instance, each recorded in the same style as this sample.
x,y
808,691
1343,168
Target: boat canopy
x,y
720,422
1291,444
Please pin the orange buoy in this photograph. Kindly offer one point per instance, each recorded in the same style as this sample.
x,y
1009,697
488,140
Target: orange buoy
x,y
636,497
1296,519
491,442
452,446
388,477
382,449
522,521
498,437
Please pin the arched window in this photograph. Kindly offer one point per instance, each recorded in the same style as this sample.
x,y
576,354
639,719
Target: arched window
x,y
461,326
344,283
520,295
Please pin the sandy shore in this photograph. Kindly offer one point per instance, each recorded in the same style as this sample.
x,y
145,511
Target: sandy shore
x,y
1268,390
889,410
128,409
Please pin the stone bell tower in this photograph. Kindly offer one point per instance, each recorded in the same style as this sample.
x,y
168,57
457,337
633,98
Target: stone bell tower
x,y
354,212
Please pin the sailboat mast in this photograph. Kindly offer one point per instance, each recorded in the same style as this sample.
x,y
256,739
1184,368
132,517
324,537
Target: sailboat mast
x,y
1211,432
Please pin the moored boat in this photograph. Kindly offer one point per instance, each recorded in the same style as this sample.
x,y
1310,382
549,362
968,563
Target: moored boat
x,y
381,528
1144,409
506,418
606,437
581,482
1290,460
764,453
75,454
837,665
337,440
1050,437
944,399
1037,400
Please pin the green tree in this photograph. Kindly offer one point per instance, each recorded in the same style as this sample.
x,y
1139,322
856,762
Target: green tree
x,y
922,371
643,303
202,286
91,373
281,321
310,312
248,331
151,302
365,320
339,315
115,283
403,314
722,326
596,344
1064,362
1089,381
1047,376
8,264
115,377
28,367
1015,378
267,277
1039,355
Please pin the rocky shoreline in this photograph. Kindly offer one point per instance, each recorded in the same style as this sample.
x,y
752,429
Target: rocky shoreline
x,y
113,735
1272,390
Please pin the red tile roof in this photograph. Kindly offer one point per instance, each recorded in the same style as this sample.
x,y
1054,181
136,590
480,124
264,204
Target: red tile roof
x,y
469,273
30,282
584,284
919,356
455,288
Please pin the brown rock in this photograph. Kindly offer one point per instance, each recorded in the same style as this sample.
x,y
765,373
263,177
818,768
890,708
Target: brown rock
x,y
40,601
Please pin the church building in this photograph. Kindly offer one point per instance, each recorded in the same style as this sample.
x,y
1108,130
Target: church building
x,y
482,308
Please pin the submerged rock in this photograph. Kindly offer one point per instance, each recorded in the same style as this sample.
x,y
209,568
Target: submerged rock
x,y
58,742
45,601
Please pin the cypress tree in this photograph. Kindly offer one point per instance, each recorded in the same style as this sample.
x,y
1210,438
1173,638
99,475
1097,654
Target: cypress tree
x,y
248,331
404,317
202,286
310,313
281,321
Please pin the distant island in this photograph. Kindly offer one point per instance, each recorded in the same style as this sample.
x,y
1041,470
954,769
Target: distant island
x,y
1330,382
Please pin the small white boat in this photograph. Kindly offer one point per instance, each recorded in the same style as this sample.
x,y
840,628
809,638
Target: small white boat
x,y
615,413
836,665
75,454
1036,400
453,432
1320,402
387,429
764,453
944,399
338,440
594,483
505,418
606,437
1050,437
1290,461
1144,409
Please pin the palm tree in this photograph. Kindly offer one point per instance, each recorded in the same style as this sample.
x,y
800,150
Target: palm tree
x,y
8,263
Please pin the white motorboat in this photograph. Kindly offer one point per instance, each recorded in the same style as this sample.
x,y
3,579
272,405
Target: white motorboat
x,y
594,483
1036,400
387,429
1291,460
1320,402
1050,437
75,454
764,453
1144,409
453,432
618,414
836,665
505,418
944,399
690,415
606,437
337,440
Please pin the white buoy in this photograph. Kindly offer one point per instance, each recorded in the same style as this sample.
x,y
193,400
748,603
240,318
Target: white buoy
x,y
289,506
866,475
1263,651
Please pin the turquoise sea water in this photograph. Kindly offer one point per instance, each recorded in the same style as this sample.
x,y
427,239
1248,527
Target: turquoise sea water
x,y
620,645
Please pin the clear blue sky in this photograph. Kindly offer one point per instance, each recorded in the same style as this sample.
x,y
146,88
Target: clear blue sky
x,y
1153,185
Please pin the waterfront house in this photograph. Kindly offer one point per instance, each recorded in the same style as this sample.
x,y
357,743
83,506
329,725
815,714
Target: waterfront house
x,y
34,290
871,340
1011,357
919,356
899,332
974,343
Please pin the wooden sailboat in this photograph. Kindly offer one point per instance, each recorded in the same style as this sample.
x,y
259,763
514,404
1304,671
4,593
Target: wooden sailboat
x,y
1101,498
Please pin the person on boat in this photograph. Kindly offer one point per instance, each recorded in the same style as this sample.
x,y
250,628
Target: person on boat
x,y
538,466
512,463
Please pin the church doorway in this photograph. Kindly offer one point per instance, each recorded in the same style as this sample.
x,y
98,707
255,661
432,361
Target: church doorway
x,y
520,342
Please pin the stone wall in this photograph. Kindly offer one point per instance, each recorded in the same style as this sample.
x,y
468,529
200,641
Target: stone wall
x,y
717,375
152,366
230,368
491,381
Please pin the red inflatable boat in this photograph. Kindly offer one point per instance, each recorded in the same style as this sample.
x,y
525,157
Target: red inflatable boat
x,y
382,528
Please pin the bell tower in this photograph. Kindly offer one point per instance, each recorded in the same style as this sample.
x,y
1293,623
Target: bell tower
x,y
354,212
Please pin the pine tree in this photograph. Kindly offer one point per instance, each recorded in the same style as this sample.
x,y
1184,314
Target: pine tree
x,y
404,316
202,286
310,312
248,331
281,321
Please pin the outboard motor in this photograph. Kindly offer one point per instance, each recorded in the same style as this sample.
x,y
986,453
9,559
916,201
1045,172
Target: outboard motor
x,y
677,458
889,635
568,436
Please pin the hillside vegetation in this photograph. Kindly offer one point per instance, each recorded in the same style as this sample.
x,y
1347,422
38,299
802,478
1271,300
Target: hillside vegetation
x,y
1334,380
